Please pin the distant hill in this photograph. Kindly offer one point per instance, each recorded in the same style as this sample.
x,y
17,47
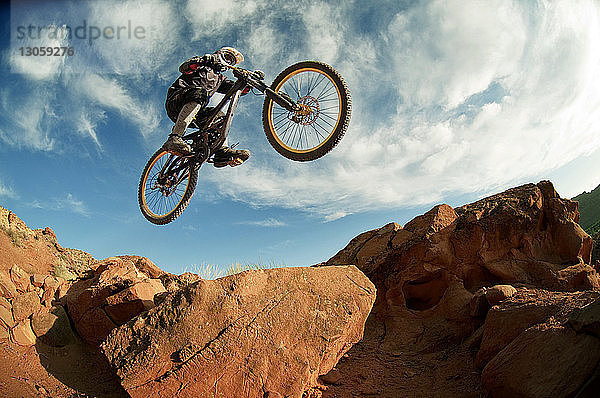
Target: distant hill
x,y
589,209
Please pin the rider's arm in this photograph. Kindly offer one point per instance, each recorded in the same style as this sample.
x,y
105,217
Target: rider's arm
x,y
226,86
196,62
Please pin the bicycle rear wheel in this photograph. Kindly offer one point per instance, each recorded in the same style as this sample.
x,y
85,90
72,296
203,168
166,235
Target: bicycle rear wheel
x,y
166,187
323,117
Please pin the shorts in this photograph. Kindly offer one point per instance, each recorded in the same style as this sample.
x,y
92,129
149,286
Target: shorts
x,y
192,94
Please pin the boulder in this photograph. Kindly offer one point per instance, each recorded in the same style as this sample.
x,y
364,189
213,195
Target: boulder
x,y
145,266
526,235
6,317
25,305
20,278
255,333
175,282
133,300
484,298
436,219
117,293
22,334
544,361
504,324
587,319
37,280
498,293
7,287
53,328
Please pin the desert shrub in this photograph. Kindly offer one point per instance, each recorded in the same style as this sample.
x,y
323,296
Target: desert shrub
x,y
16,237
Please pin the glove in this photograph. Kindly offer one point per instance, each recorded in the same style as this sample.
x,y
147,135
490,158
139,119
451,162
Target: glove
x,y
212,61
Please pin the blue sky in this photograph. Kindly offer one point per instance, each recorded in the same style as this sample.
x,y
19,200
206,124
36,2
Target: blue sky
x,y
452,100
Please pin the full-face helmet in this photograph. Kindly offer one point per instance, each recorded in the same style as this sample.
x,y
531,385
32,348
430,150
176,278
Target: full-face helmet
x,y
230,55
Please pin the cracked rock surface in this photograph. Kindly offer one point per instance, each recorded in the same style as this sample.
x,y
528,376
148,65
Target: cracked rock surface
x,y
255,334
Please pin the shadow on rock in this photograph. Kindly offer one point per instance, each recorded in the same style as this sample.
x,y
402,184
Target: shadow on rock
x,y
70,360
82,368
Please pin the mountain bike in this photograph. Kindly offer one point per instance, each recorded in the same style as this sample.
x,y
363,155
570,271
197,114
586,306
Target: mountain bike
x,y
305,114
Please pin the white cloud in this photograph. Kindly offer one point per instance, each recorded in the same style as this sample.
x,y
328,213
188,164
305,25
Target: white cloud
x,y
269,222
211,18
68,202
109,93
445,51
325,37
158,31
7,191
447,131
28,120
87,124
37,67
73,204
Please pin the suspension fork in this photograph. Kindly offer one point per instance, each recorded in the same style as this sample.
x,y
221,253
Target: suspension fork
x,y
282,99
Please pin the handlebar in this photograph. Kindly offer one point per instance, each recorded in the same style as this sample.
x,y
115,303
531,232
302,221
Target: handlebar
x,y
258,74
255,79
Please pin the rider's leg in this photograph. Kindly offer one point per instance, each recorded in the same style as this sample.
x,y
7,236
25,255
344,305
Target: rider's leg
x,y
182,108
175,143
186,115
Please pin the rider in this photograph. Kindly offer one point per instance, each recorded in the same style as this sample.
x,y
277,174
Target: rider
x,y
200,79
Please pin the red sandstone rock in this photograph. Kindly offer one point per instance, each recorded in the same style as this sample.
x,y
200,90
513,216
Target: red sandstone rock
x,y
433,221
498,293
53,327
37,280
49,232
48,296
117,293
5,303
22,334
265,331
122,306
504,324
544,361
6,317
20,278
145,266
429,273
7,287
4,331
25,305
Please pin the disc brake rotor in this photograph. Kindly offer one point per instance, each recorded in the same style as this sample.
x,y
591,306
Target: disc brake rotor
x,y
308,112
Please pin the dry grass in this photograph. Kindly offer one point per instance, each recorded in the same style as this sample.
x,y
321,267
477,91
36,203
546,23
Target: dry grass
x,y
213,271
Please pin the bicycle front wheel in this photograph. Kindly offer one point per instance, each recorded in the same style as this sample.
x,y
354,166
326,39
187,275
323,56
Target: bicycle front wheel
x,y
323,116
166,187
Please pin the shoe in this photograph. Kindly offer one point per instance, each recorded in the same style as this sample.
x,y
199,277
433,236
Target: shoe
x,y
226,156
177,146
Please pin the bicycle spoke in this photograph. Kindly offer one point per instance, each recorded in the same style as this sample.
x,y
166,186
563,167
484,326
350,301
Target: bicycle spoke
x,y
321,110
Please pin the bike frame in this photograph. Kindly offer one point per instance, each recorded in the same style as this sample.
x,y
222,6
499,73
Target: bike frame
x,y
244,78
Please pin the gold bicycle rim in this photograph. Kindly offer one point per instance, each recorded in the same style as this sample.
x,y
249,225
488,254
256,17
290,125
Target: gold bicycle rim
x,y
270,112
145,204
